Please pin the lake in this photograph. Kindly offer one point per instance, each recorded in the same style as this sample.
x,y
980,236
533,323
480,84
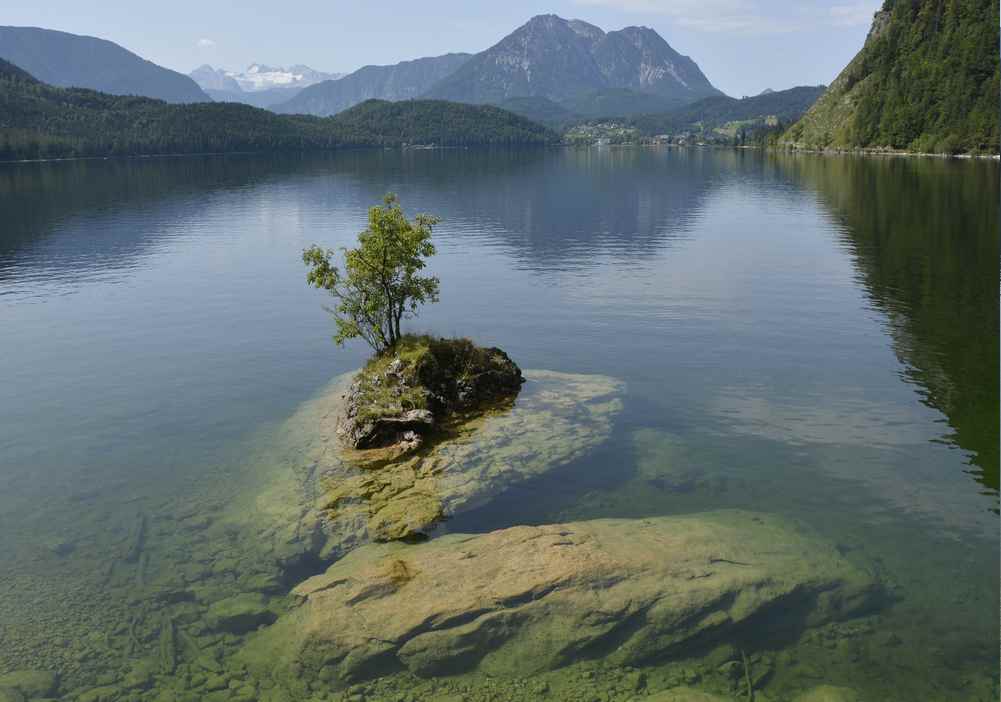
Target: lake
x,y
804,336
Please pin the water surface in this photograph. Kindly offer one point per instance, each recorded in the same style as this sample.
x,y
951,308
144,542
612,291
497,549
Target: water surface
x,y
810,336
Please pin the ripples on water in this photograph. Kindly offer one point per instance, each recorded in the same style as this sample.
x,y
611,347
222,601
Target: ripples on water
x,y
815,337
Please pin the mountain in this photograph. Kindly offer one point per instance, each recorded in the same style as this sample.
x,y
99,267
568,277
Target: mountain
x,y
539,109
402,81
617,102
70,60
710,115
209,78
42,121
927,79
565,59
259,77
260,85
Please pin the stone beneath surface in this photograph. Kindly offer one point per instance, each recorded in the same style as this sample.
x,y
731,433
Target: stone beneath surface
x,y
686,694
318,503
240,614
31,683
828,693
528,599
558,418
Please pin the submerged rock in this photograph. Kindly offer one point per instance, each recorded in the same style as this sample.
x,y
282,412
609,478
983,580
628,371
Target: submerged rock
x,y
528,599
240,614
31,683
317,503
686,694
560,417
828,693
404,394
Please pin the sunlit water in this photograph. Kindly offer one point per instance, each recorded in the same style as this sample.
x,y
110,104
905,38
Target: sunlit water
x,y
814,337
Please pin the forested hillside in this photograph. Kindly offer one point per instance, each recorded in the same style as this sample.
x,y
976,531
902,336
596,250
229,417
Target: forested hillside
x,y
40,121
783,106
927,80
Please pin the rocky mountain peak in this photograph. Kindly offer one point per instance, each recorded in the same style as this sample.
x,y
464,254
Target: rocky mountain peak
x,y
558,59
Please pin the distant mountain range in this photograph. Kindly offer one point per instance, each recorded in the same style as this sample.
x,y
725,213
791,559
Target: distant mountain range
x,y
71,60
42,121
260,85
576,66
403,81
927,79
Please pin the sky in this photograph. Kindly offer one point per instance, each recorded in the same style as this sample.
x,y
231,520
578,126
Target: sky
x,y
743,46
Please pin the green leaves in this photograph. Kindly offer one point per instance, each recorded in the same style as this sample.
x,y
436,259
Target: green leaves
x,y
382,282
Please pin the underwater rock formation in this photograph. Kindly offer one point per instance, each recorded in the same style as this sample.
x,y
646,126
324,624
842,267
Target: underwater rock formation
x,y
828,693
28,684
686,694
527,599
320,503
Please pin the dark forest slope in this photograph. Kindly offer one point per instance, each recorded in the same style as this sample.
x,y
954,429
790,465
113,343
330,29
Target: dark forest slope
x,y
41,121
926,80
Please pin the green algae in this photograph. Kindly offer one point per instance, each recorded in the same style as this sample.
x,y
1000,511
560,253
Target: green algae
x,y
101,624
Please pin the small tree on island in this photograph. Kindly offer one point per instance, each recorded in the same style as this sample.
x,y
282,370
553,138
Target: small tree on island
x,y
381,284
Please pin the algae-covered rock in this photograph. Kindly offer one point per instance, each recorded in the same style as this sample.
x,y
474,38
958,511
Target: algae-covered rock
x,y
405,393
240,614
559,417
828,693
31,683
528,599
317,501
686,694
105,693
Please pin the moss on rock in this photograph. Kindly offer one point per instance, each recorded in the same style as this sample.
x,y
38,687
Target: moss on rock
x,y
404,394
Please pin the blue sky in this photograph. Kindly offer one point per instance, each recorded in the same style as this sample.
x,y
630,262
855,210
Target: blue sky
x,y
743,46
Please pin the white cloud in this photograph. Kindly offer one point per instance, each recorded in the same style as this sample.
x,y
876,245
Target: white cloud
x,y
205,44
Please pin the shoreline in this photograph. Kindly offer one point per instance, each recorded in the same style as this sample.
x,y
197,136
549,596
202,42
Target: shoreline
x,y
792,150
882,153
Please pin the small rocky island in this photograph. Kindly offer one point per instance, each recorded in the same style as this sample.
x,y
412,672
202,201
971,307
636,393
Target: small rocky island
x,y
421,388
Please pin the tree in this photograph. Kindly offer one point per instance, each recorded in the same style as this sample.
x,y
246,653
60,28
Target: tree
x,y
381,284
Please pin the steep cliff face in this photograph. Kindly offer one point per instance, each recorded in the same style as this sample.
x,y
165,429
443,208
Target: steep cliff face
x,y
560,59
927,79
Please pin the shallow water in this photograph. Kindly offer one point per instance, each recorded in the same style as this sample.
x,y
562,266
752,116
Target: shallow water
x,y
809,336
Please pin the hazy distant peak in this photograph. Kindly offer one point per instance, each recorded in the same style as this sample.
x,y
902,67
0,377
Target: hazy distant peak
x,y
586,30
259,77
